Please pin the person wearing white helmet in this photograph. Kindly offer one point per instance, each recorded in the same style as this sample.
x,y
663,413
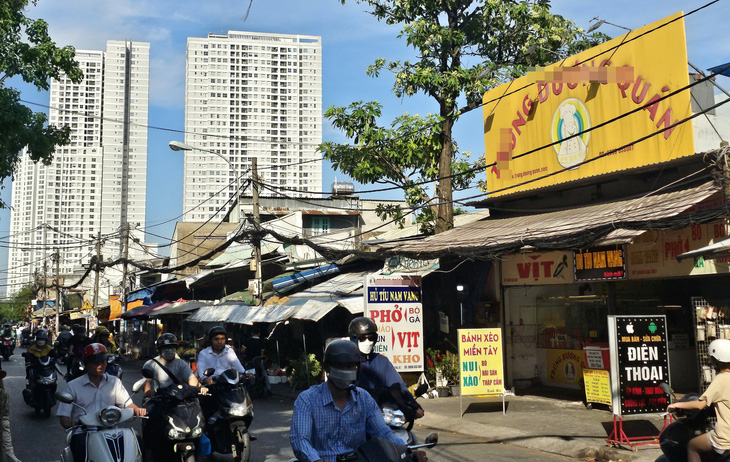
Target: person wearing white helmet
x,y
718,394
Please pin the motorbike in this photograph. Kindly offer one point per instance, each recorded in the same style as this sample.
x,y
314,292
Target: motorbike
x,y
76,368
26,339
230,413
105,440
383,450
400,423
43,381
175,423
113,367
675,437
8,345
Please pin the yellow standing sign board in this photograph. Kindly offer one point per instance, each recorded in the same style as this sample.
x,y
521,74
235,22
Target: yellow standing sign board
x,y
480,362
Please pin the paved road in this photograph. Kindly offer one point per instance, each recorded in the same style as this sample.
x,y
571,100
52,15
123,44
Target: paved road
x,y
38,439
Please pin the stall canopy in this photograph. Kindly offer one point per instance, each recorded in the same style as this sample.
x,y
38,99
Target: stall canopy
x,y
142,312
179,307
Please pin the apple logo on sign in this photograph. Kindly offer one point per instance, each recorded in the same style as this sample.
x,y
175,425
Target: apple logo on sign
x,y
630,328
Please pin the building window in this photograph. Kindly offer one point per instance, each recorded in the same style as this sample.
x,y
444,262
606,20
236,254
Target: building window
x,y
320,225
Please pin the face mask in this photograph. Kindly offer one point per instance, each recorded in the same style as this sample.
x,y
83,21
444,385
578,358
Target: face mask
x,y
168,354
41,343
343,378
366,346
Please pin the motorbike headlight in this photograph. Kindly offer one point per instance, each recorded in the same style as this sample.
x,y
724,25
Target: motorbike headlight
x,y
176,434
238,410
197,431
110,417
47,380
394,417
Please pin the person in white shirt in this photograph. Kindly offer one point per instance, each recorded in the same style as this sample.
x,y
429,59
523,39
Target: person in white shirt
x,y
93,391
218,356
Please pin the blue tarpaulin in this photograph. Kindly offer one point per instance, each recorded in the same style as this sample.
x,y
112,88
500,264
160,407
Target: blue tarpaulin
x,y
723,69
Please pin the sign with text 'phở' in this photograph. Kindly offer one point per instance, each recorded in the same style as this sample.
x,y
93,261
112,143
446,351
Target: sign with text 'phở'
x,y
394,303
480,361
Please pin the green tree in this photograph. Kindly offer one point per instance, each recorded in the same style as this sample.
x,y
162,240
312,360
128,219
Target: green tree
x,y
464,47
27,51
16,307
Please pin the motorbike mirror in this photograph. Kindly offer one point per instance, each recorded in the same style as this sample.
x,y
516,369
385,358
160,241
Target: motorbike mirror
x,y
422,388
431,440
64,397
666,388
208,372
138,385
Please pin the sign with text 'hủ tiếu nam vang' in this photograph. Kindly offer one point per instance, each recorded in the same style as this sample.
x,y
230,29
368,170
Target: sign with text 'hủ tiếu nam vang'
x,y
569,121
480,361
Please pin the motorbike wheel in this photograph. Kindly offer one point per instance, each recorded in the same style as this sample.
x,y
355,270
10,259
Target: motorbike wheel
x,y
47,412
242,447
191,457
7,357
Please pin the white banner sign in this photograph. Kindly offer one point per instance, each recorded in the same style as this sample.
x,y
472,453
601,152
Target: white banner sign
x,y
394,303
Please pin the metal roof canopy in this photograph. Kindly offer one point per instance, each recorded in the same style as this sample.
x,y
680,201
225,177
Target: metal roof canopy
x,y
574,228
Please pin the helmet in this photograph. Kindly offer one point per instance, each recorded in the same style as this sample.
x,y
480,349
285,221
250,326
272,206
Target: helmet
x,y
720,350
94,352
166,340
217,330
362,326
41,335
341,352
78,330
101,330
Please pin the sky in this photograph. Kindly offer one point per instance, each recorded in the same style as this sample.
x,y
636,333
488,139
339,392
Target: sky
x,y
351,41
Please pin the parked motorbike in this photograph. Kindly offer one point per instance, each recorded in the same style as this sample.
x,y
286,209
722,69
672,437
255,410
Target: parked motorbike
x,y
675,437
229,413
105,440
43,380
175,423
8,346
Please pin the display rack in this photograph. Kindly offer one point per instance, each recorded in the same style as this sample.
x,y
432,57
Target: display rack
x,y
712,321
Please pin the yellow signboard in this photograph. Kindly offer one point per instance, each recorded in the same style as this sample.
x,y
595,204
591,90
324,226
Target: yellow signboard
x,y
564,366
528,123
87,305
480,361
598,386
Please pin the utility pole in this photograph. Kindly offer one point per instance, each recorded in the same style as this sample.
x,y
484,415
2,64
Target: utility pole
x,y
124,271
57,258
96,277
257,229
45,274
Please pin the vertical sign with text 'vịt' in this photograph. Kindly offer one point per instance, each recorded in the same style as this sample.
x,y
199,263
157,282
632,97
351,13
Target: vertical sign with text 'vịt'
x,y
480,361
394,303
639,364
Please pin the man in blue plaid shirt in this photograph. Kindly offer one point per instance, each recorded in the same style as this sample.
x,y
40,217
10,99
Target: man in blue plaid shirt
x,y
334,417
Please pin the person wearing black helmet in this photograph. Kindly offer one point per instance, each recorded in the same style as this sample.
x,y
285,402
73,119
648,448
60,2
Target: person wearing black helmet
x,y
377,374
168,360
218,356
39,349
334,417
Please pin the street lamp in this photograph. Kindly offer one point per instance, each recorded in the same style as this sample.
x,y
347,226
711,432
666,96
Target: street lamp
x,y
601,22
461,293
179,146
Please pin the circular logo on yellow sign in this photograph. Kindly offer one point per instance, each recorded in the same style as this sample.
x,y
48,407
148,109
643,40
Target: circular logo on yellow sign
x,y
571,117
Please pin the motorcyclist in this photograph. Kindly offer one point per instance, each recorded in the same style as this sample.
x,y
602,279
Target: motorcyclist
x,y
334,417
91,393
39,349
218,355
716,440
167,345
9,332
103,336
62,340
377,374
76,346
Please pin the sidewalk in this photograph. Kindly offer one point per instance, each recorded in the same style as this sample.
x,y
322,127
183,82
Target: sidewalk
x,y
541,423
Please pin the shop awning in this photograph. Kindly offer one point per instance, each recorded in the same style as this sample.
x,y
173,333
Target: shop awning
x,y
214,313
144,310
717,250
575,228
306,276
179,307
140,294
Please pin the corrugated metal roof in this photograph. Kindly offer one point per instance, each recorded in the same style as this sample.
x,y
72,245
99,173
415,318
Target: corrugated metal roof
x,y
573,228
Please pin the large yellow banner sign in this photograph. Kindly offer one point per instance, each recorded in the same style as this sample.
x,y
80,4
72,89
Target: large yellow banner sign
x,y
480,361
543,109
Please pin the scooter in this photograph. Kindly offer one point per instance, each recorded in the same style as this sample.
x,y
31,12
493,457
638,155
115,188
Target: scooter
x,y
255,379
105,440
383,450
8,345
227,426
675,437
394,417
174,425
43,381
76,368
113,367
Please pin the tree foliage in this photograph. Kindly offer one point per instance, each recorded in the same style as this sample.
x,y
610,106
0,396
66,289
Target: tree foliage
x,y
15,309
463,49
27,51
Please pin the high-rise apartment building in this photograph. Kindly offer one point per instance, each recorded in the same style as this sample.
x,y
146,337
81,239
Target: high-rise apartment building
x,y
96,184
250,95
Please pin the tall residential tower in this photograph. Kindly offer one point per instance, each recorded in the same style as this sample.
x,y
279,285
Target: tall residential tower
x,y
96,184
250,95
